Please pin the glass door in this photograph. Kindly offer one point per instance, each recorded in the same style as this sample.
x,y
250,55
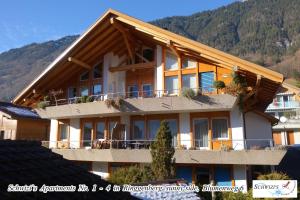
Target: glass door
x,y
87,134
201,133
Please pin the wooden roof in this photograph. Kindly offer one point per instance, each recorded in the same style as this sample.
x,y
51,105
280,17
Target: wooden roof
x,y
107,35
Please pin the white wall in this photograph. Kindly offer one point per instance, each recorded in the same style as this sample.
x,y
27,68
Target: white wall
x,y
113,82
237,128
184,124
158,79
257,127
297,136
101,169
75,133
53,133
240,176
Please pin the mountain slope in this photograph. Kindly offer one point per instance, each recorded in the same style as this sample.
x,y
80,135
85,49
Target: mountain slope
x,y
263,31
18,67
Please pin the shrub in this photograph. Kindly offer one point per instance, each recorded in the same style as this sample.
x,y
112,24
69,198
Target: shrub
x,y
83,99
274,176
188,93
131,175
78,100
42,104
234,196
117,104
219,84
90,99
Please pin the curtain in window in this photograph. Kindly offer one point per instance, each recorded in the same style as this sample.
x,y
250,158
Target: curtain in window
x,y
201,132
189,81
138,129
171,61
172,84
220,129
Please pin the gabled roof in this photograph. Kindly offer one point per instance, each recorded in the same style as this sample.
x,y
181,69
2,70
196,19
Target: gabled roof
x,y
162,36
27,162
18,111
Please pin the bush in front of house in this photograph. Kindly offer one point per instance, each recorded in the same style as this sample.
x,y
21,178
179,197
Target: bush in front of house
x,y
131,175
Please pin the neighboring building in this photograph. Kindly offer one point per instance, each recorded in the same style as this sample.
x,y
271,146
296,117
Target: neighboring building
x,y
18,122
28,163
135,74
286,107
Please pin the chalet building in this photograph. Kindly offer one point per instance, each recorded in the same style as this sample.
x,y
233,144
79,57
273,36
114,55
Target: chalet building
x,y
18,122
115,84
286,108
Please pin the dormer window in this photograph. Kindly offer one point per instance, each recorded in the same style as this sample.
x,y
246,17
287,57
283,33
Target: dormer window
x,y
84,76
97,71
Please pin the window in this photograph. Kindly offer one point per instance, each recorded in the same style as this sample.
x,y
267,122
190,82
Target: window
x,y
174,130
201,133
97,88
84,91
147,90
172,84
189,81
97,71
207,81
202,176
84,76
100,127
171,61
64,130
72,92
87,133
153,126
133,91
189,63
220,128
138,129
148,54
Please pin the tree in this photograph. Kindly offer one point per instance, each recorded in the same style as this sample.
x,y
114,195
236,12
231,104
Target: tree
x,y
162,153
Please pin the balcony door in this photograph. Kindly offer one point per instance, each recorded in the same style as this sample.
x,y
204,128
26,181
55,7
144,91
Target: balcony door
x,y
201,133
87,134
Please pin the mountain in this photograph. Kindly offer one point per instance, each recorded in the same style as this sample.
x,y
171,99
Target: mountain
x,y
263,31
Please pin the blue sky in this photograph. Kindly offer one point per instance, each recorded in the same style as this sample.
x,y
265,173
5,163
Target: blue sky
x,y
26,21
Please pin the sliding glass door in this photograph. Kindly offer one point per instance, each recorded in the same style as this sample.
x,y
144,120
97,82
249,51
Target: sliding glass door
x,y
87,134
201,133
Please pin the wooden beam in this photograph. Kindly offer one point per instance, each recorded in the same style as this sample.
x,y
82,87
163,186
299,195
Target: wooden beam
x,y
142,57
80,63
132,67
173,48
120,28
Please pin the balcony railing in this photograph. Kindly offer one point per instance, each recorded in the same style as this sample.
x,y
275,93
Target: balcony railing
x,y
283,105
225,145
132,95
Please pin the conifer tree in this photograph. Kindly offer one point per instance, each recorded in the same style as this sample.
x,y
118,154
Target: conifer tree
x,y
162,153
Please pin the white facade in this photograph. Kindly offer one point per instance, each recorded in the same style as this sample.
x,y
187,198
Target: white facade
x,y
237,128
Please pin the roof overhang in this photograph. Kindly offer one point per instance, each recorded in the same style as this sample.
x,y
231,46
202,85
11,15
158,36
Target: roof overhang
x,y
178,43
